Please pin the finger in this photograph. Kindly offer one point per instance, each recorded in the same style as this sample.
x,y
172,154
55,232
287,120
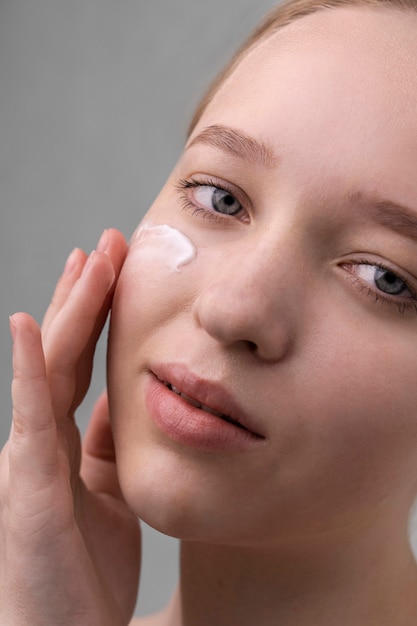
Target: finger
x,y
98,440
72,271
115,249
113,244
98,466
85,323
72,328
33,439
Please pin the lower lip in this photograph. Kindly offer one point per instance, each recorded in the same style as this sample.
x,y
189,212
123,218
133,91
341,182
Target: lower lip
x,y
192,426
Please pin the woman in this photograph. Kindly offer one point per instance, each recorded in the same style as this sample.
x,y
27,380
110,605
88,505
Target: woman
x,y
262,357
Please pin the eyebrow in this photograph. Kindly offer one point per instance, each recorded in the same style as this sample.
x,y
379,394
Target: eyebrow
x,y
397,217
238,144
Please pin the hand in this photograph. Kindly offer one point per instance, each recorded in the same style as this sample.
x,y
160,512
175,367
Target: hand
x,y
69,546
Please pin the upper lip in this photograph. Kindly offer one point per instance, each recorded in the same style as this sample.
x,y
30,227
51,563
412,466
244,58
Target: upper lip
x,y
206,393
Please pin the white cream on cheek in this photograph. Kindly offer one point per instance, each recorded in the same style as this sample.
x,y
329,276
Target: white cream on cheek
x,y
162,245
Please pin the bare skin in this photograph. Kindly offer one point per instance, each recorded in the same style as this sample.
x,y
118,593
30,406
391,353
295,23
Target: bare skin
x,y
58,566
306,315
356,568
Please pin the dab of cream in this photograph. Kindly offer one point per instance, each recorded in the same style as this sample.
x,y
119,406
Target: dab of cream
x,y
163,244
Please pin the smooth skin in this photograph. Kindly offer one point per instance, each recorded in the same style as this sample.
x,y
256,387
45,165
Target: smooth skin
x,y
58,564
281,305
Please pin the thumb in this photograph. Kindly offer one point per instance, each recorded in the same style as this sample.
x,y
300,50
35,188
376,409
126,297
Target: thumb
x,y
33,439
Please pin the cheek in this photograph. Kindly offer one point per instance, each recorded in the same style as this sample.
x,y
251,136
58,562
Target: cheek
x,y
161,247
157,280
375,371
363,403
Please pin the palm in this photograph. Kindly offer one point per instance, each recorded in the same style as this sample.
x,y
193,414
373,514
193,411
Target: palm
x,y
72,544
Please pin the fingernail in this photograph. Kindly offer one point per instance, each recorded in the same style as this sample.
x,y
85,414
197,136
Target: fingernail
x,y
89,262
103,241
12,327
71,262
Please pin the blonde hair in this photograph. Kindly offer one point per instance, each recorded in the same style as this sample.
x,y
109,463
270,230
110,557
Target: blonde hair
x,y
280,16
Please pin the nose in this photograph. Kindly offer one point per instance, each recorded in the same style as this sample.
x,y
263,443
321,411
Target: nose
x,y
252,302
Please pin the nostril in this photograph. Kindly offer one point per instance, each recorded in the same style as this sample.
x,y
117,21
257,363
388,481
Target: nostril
x,y
252,346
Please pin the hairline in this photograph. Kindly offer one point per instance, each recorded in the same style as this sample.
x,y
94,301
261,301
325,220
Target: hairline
x,y
282,15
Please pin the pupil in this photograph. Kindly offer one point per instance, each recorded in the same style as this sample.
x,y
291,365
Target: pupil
x,y
389,282
390,278
224,202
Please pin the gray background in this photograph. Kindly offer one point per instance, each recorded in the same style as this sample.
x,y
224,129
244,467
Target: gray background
x,y
95,96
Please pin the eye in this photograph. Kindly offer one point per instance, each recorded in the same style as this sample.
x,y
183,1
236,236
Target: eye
x,y
210,198
383,279
216,199
383,284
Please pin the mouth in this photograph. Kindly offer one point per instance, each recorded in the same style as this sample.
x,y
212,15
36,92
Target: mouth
x,y
198,412
203,407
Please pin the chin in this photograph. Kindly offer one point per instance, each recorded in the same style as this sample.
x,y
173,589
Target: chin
x,y
166,499
182,500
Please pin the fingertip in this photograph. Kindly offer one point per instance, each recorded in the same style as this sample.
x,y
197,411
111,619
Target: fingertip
x,y
25,332
71,262
74,263
117,249
111,239
19,319
117,246
116,236
100,264
101,407
103,243
102,399
12,324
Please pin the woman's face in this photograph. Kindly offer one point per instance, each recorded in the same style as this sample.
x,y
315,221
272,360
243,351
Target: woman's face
x,y
275,283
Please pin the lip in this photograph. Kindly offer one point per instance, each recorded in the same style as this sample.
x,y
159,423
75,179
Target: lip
x,y
226,429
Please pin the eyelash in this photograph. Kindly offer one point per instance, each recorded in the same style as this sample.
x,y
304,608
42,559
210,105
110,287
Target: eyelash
x,y
185,184
379,296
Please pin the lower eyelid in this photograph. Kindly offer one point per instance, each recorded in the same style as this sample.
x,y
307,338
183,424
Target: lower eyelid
x,y
185,189
383,268
190,206
402,303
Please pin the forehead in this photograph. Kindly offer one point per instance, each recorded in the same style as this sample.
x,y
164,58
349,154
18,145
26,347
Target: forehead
x,y
342,82
345,46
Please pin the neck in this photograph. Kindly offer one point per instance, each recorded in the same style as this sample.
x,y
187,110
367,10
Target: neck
x,y
370,579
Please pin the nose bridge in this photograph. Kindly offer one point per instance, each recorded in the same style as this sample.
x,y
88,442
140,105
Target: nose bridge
x,y
268,266
249,296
